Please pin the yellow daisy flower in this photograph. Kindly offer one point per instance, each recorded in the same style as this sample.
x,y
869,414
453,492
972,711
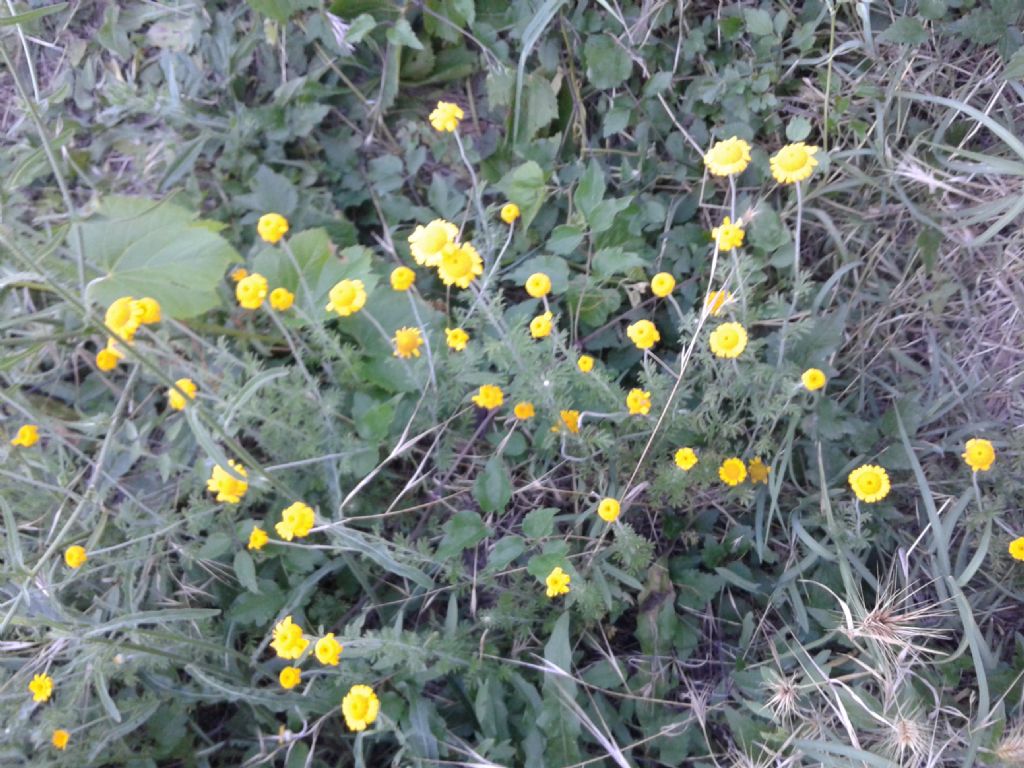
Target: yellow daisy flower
x,y
540,326
287,639
408,342
41,688
509,213
716,300
557,582
870,483
60,738
456,338
229,489
686,458
427,242
728,157
538,285
524,411
758,471
813,379
347,297
402,278
272,227
979,454
1017,548
290,677
794,162
662,284
258,538
732,471
446,116
489,397
251,291
75,556
728,235
360,707
728,340
459,264
638,402
27,436
608,510
327,650
175,398
585,363
281,299
296,521
643,333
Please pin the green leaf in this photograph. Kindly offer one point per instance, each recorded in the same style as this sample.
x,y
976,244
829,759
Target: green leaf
x,y
493,487
608,64
245,571
401,34
525,186
271,193
539,523
464,530
281,10
564,239
1015,66
906,30
614,261
372,418
554,267
158,250
27,16
932,9
505,551
758,22
554,554
590,190
799,128
540,105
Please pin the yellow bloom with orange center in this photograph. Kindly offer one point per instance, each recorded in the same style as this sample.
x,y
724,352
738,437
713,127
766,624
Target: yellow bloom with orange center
x,y
251,291
732,471
540,326
643,333
179,395
509,213
408,342
75,556
728,157
524,410
728,340
238,273
402,278
459,264
360,707
662,284
538,285
347,297
728,235
489,397
272,227
60,738
456,338
281,299
638,402
870,483
794,162
446,116
290,677
228,488
427,242
27,436
608,510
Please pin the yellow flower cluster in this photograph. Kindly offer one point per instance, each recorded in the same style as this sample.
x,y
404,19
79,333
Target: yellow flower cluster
x,y
229,489
436,245
252,290
446,116
792,163
296,521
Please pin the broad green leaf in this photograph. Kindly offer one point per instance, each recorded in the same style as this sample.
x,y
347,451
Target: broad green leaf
x,y
906,30
1015,67
245,571
493,487
156,250
615,261
554,267
798,129
281,10
401,34
464,530
539,523
271,193
504,552
608,64
590,189
564,239
759,22
525,186
540,105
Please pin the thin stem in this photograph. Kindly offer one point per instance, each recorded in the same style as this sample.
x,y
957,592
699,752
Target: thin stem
x,y
477,199
426,338
796,273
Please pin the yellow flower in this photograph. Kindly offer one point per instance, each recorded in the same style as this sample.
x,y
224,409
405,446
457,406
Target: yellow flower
x,y
327,650
75,556
732,471
489,397
540,326
290,677
426,243
288,641
251,291
979,454
347,297
728,340
728,157
272,227
108,357
715,300
123,318
524,411
869,482
813,379
728,235
176,399
238,273
360,707
538,285
227,487
402,278
148,309
459,264
643,333
638,402
408,342
758,471
27,436
257,538
585,363
41,688
456,338
296,521
686,458
509,212
281,299
445,117
608,510
60,738
571,420
1017,548
662,284
794,162
557,582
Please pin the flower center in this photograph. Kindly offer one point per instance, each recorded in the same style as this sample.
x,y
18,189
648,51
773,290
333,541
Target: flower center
x,y
434,238
729,153
870,483
358,707
456,262
792,158
729,339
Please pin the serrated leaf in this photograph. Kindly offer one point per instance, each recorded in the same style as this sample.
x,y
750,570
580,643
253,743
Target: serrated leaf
x,y
464,530
1015,66
590,190
281,10
245,570
564,239
608,64
615,261
401,34
906,30
758,22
